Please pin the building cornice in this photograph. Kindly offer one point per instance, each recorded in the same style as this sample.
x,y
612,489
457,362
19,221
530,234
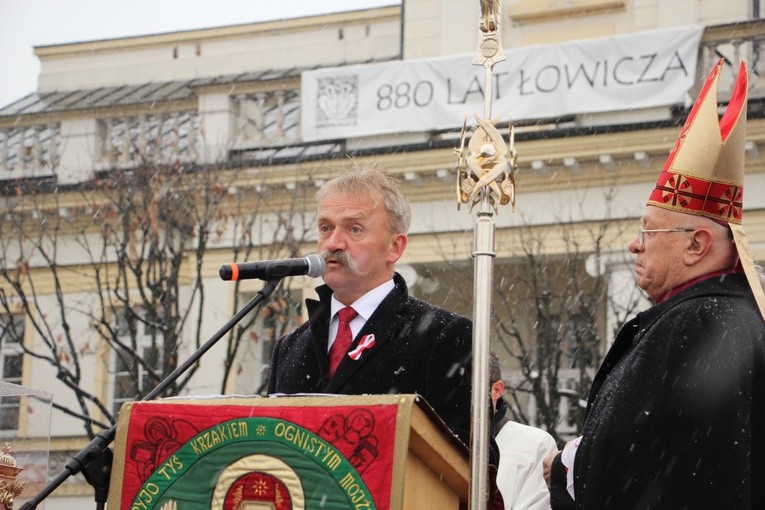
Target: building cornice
x,y
391,13
534,11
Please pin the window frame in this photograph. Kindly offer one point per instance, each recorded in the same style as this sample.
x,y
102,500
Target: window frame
x,y
145,340
15,349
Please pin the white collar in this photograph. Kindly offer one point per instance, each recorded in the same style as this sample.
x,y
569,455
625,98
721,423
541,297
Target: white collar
x,y
366,304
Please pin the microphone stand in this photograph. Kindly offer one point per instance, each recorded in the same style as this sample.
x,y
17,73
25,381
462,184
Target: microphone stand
x,y
95,460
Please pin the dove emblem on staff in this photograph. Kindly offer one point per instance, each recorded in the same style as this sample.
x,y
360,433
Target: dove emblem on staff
x,y
487,165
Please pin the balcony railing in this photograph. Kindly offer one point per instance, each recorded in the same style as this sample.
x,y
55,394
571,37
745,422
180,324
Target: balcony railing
x,y
266,119
29,152
733,43
162,139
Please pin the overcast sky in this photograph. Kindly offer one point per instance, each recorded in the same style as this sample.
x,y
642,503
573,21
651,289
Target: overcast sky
x,y
28,23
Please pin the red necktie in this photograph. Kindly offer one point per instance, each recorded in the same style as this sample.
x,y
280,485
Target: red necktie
x,y
343,339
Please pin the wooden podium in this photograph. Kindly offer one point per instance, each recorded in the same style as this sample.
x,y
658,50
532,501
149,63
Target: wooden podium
x,y
296,452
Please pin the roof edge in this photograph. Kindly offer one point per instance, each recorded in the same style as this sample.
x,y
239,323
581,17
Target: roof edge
x,y
292,24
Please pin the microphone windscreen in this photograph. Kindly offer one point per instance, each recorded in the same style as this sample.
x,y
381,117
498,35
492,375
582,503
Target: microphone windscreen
x,y
316,265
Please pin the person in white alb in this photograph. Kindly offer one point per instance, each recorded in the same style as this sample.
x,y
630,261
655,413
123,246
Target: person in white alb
x,y
521,451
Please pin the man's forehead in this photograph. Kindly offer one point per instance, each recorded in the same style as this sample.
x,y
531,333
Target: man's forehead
x,y
649,213
653,213
352,204
346,210
345,214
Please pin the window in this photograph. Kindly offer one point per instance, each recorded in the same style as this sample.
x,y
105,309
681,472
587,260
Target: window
x,y
266,351
11,357
132,379
280,316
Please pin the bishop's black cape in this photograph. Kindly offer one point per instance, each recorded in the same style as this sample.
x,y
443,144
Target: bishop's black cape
x,y
676,414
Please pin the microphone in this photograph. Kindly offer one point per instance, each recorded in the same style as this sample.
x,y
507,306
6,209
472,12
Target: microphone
x,y
313,265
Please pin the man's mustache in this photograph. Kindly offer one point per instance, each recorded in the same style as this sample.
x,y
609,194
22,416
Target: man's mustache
x,y
341,257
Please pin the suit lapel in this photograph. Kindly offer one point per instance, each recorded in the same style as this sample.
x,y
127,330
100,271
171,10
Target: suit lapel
x,y
384,323
318,316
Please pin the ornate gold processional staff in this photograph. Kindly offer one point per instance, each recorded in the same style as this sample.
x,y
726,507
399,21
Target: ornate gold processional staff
x,y
486,179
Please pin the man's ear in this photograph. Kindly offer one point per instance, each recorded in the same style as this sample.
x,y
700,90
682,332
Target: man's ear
x,y
701,243
497,388
398,245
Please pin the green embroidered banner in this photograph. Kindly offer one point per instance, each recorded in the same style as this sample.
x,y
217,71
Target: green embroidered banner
x,y
230,457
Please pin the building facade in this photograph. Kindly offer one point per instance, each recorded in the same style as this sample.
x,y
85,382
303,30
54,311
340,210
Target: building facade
x,y
224,105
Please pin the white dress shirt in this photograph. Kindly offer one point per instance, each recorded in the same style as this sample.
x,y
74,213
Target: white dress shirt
x,y
364,306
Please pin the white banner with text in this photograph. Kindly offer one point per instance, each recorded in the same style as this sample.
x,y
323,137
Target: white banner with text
x,y
640,70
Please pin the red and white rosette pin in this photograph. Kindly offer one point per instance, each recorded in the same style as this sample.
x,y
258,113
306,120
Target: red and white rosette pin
x,y
366,342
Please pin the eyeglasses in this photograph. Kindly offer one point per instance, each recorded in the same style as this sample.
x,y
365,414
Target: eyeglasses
x,y
643,231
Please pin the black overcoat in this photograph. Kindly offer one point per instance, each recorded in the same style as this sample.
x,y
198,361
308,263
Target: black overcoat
x,y
676,414
419,348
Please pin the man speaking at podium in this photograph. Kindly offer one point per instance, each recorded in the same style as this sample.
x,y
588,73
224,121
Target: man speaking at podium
x,y
366,335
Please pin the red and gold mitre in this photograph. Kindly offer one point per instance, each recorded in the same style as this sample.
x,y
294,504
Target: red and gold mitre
x,y
704,174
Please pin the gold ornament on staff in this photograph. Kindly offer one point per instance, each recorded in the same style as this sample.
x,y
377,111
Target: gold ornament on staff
x,y
485,179
490,46
489,163
9,470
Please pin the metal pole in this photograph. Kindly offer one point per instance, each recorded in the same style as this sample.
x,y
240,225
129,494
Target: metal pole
x,y
488,92
483,275
485,178
483,260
